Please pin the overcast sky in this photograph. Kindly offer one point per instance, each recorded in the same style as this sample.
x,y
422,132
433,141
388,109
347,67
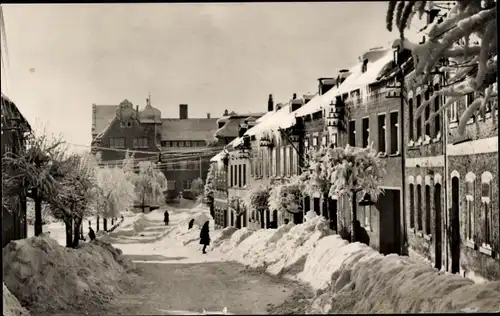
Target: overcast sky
x,y
214,56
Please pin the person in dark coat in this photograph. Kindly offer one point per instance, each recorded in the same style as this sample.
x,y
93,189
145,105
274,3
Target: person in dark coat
x,y
191,223
361,234
204,237
91,233
165,219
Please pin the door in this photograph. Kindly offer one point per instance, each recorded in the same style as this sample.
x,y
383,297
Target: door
x,y
317,205
232,219
225,219
332,213
454,229
275,219
268,218
438,234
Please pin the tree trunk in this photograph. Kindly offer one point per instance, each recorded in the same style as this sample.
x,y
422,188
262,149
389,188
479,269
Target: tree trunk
x,y
105,224
97,224
38,212
69,231
353,217
76,231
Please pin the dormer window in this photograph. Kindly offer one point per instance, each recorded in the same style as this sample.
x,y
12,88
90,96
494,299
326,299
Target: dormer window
x,y
365,66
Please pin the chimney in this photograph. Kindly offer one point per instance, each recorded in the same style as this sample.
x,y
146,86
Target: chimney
x,y
294,96
183,111
270,104
326,84
226,113
243,127
137,108
208,115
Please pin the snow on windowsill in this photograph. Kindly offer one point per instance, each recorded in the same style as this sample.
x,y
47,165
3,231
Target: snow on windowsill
x,y
453,124
470,243
428,237
486,249
419,233
396,154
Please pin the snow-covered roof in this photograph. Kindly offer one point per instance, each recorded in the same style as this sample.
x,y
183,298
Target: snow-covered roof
x,y
278,119
316,103
358,79
219,156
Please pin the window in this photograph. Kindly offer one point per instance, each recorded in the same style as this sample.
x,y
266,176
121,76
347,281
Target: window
x,y
186,184
117,142
184,165
419,207
412,205
454,112
470,178
140,142
394,132
239,176
273,162
244,174
437,120
291,160
284,161
231,172
427,116
410,113
381,133
469,98
352,133
315,141
427,209
486,194
419,120
366,131
334,140
278,161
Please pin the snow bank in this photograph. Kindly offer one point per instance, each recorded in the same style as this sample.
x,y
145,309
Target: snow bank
x,y
49,278
131,226
278,251
352,277
11,306
395,284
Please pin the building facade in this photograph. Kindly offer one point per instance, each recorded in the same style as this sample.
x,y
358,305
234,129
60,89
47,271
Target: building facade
x,y
181,146
14,129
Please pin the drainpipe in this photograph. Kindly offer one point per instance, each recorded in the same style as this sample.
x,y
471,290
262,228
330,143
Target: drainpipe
x,y
404,249
444,120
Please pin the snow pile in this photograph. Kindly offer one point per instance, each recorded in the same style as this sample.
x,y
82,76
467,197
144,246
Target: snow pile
x,y
48,278
278,251
352,277
131,226
11,306
388,284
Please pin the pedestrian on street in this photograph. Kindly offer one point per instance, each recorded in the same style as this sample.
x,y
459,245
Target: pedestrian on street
x,y
91,233
165,219
204,237
191,223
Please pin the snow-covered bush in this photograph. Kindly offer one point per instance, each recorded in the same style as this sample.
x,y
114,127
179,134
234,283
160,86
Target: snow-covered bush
x,y
285,197
197,187
315,178
463,43
208,190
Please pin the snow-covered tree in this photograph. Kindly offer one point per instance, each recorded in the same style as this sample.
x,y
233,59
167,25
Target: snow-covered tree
x,y
115,192
463,43
150,184
208,190
75,178
286,197
30,173
258,200
354,170
197,187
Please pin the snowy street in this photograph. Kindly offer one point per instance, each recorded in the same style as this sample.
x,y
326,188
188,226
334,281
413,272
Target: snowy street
x,y
178,279
169,289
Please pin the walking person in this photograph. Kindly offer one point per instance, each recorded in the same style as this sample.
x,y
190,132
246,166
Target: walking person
x,y
166,217
190,224
204,237
91,233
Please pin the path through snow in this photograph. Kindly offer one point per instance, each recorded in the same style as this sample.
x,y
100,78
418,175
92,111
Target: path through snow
x,y
178,279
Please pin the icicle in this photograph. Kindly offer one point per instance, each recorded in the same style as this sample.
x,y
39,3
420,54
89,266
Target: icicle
x,y
399,11
422,107
465,117
390,14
